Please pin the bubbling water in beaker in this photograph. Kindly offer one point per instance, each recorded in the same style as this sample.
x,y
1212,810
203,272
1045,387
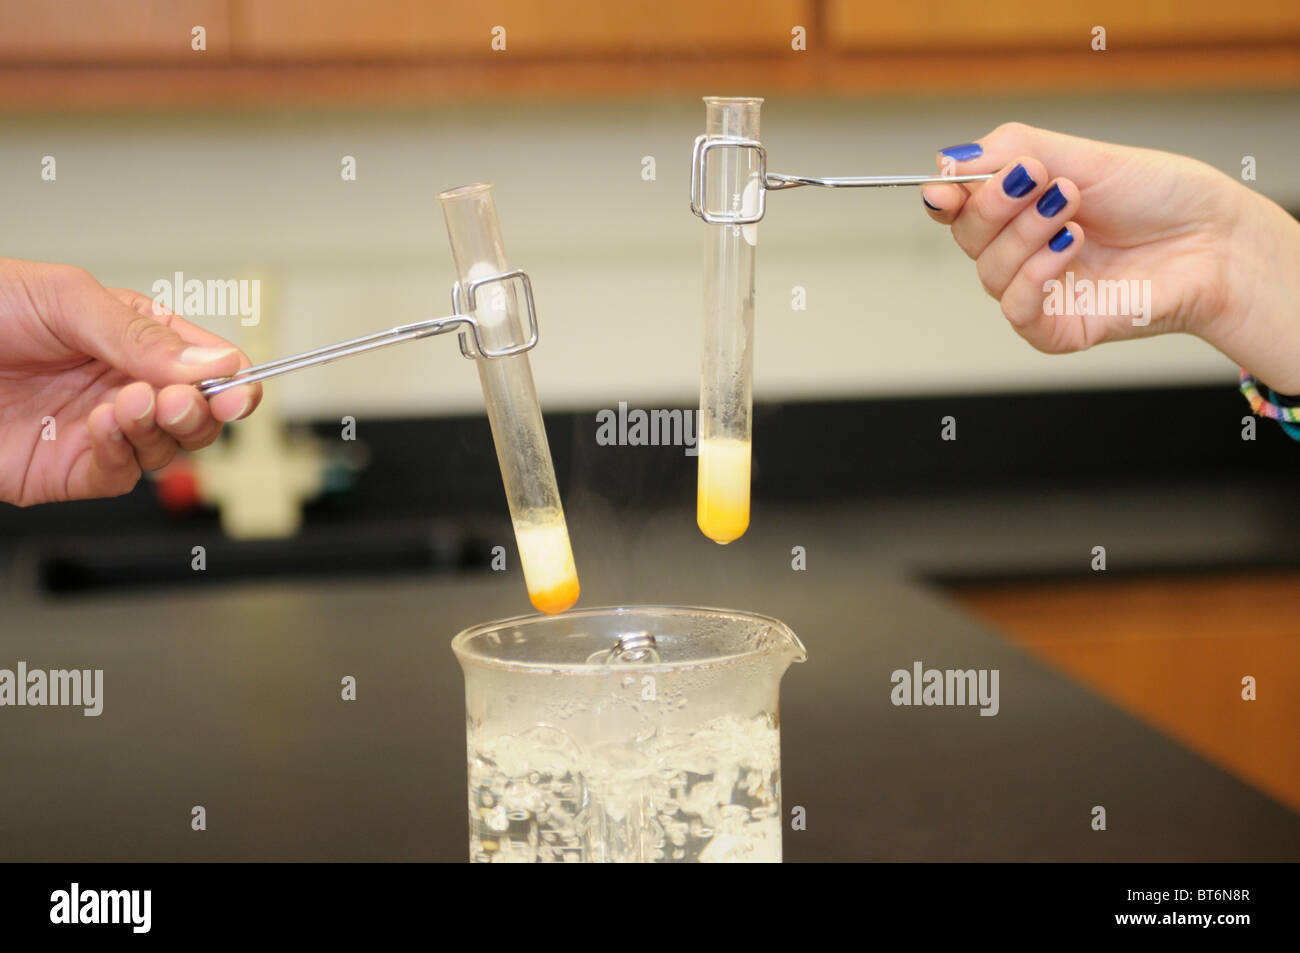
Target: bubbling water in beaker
x,y
629,734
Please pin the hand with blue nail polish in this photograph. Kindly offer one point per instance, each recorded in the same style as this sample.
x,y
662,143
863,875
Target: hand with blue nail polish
x,y
96,385
1084,242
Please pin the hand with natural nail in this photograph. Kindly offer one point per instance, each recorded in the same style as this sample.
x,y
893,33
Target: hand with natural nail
x,y
1222,261
96,385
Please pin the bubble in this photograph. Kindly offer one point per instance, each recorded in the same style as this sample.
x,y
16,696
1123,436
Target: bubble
x,y
707,795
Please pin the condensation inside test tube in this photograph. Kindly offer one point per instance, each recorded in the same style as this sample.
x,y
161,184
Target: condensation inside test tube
x,y
510,397
727,362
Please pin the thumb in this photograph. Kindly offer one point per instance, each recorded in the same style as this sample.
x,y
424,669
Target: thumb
x,y
1083,161
89,318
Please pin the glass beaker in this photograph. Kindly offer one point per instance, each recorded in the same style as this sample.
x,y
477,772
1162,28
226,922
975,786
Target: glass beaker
x,y
644,733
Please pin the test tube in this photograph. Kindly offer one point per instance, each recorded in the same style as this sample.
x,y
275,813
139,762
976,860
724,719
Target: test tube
x,y
727,366
511,400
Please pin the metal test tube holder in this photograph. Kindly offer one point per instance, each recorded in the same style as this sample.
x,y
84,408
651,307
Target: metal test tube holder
x,y
464,301
775,181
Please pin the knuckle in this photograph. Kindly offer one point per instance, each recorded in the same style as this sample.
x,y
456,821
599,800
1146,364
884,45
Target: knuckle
x,y
127,484
124,480
1010,312
964,243
70,276
204,435
61,284
1011,130
161,456
143,334
988,277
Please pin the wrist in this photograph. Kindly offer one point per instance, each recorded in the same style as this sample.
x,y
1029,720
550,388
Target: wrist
x,y
1257,321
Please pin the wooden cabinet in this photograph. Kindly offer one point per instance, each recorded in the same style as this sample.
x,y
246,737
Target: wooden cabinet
x,y
111,31
1020,25
125,53
1172,650
401,29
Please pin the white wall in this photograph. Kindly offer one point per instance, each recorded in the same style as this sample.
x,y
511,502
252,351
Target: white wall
x,y
894,307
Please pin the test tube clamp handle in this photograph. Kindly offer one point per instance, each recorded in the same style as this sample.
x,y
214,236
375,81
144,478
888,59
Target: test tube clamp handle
x,y
464,298
775,181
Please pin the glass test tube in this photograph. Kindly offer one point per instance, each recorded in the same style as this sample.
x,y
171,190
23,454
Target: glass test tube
x,y
511,400
727,368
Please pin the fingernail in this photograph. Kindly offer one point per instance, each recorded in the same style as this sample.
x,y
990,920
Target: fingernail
x,y
205,355
1051,201
1018,182
248,403
932,208
1061,240
184,416
148,411
115,434
967,150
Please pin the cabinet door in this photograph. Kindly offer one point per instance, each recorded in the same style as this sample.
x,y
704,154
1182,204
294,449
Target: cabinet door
x,y
399,29
1020,25
112,31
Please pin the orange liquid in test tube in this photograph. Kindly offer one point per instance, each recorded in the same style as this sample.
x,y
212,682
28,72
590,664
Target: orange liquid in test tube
x,y
547,560
722,499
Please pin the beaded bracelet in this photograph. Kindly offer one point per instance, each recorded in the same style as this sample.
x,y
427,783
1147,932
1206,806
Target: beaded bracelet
x,y
1285,414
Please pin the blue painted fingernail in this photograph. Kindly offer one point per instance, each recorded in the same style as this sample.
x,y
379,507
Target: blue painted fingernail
x,y
1061,240
1018,182
1051,202
967,150
932,208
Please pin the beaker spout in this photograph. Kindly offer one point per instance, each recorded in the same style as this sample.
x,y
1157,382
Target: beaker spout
x,y
793,649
